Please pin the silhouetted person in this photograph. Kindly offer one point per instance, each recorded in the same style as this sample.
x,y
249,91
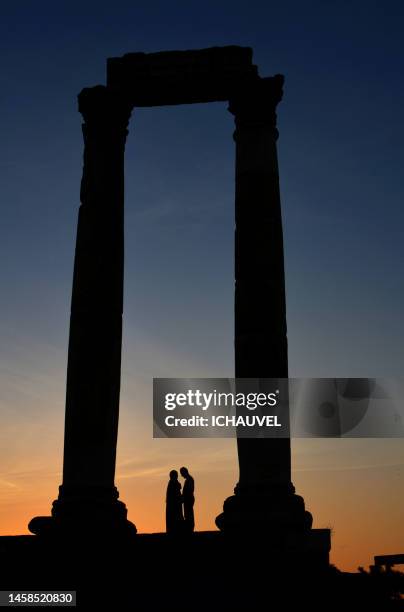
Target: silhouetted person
x,y
188,499
174,516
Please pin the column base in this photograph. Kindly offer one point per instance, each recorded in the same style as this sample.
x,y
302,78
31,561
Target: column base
x,y
85,511
271,511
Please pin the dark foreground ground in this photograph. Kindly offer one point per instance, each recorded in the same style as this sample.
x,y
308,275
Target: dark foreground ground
x,y
204,571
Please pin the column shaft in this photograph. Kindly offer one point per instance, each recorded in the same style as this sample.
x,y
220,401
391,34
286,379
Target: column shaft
x,y
260,307
88,499
94,358
264,495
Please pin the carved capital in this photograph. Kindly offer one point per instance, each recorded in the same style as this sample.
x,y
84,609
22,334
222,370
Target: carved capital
x,y
104,110
255,105
106,115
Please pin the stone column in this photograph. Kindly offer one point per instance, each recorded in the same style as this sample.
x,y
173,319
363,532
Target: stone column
x,y
264,493
88,499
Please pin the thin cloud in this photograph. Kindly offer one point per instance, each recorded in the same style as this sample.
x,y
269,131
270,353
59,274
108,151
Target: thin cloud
x,y
8,484
350,468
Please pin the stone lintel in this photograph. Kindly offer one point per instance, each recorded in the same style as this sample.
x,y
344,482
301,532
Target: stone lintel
x,y
182,77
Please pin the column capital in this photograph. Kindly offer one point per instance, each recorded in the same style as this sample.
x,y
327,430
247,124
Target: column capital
x,y
256,104
105,108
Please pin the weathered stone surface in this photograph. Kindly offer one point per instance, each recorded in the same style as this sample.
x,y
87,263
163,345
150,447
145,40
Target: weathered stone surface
x,y
88,500
181,77
264,498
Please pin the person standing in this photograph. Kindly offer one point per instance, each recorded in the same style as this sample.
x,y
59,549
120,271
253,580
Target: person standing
x,y
174,516
188,499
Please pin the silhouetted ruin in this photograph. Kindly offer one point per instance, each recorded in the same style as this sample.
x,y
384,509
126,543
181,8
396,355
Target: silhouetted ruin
x,y
264,499
265,550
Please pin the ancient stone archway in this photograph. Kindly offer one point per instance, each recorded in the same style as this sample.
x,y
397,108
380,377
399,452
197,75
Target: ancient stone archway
x,y
88,499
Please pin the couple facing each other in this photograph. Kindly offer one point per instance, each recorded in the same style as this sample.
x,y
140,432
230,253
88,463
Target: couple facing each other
x,y
180,506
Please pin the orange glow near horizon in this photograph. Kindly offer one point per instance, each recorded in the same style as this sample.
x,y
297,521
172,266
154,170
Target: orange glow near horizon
x,y
355,487
360,502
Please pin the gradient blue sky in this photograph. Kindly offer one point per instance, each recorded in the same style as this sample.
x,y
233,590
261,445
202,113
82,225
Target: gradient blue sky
x,y
341,165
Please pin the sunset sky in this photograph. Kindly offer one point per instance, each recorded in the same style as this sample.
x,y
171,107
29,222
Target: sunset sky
x,y
341,164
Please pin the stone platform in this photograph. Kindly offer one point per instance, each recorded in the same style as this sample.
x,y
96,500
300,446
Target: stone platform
x,y
203,571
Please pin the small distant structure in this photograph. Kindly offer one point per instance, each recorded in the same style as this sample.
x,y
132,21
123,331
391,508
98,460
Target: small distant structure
x,y
388,561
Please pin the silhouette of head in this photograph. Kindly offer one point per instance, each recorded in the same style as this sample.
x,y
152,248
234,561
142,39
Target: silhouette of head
x,y
184,472
173,475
